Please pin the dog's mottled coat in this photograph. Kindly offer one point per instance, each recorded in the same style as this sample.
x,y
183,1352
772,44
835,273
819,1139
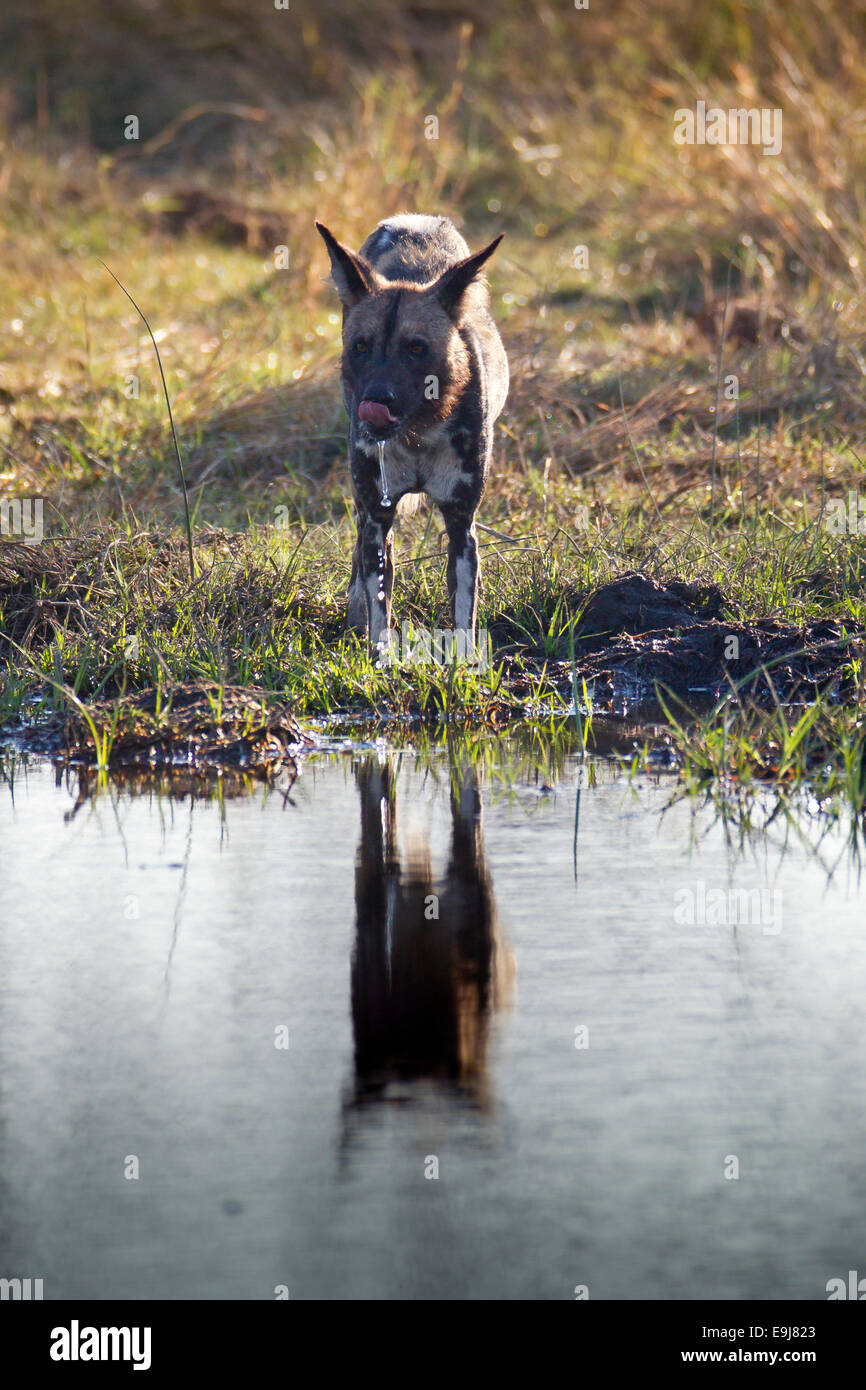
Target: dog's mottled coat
x,y
424,363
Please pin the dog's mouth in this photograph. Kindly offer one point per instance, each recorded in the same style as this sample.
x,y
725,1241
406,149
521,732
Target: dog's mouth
x,y
377,417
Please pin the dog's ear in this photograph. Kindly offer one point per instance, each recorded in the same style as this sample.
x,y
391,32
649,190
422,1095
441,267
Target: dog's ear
x,y
350,273
453,283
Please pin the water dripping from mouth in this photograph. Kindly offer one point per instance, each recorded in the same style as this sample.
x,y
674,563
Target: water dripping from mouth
x,y
386,499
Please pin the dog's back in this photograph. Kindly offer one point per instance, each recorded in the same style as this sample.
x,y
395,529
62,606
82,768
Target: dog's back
x,y
414,247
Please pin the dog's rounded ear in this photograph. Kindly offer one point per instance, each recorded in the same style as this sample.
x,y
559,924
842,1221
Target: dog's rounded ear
x,y
350,273
453,283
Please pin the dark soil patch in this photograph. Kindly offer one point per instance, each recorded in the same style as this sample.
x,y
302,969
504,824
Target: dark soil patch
x,y
637,638
199,725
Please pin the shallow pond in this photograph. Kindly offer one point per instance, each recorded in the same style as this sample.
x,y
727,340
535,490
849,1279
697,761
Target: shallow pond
x,y
401,1034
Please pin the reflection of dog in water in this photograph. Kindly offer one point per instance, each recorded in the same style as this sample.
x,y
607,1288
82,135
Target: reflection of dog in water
x,y
428,966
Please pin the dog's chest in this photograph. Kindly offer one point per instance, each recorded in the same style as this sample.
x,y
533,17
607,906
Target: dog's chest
x,y
435,467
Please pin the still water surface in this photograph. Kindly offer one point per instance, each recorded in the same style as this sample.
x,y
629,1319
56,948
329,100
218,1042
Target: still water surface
x,y
583,1050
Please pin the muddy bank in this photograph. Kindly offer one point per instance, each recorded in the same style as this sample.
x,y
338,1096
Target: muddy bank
x,y
191,727
637,639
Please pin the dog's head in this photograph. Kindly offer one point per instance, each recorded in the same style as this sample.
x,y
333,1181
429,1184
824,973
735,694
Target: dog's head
x,y
404,361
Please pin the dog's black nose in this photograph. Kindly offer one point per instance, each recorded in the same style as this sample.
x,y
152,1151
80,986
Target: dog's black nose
x,y
383,395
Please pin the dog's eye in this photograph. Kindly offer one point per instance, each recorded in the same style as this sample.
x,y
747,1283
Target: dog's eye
x,y
417,347
360,346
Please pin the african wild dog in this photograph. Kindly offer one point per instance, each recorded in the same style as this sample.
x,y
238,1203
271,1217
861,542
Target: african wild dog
x,y
424,372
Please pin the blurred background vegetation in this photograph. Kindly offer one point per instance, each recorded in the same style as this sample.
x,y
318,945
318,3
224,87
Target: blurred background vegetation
x,y
554,124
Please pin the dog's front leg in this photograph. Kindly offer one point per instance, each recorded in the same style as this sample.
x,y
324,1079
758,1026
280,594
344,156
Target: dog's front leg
x,y
356,608
373,575
463,568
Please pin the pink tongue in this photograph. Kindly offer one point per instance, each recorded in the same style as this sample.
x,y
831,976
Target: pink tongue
x,y
375,413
